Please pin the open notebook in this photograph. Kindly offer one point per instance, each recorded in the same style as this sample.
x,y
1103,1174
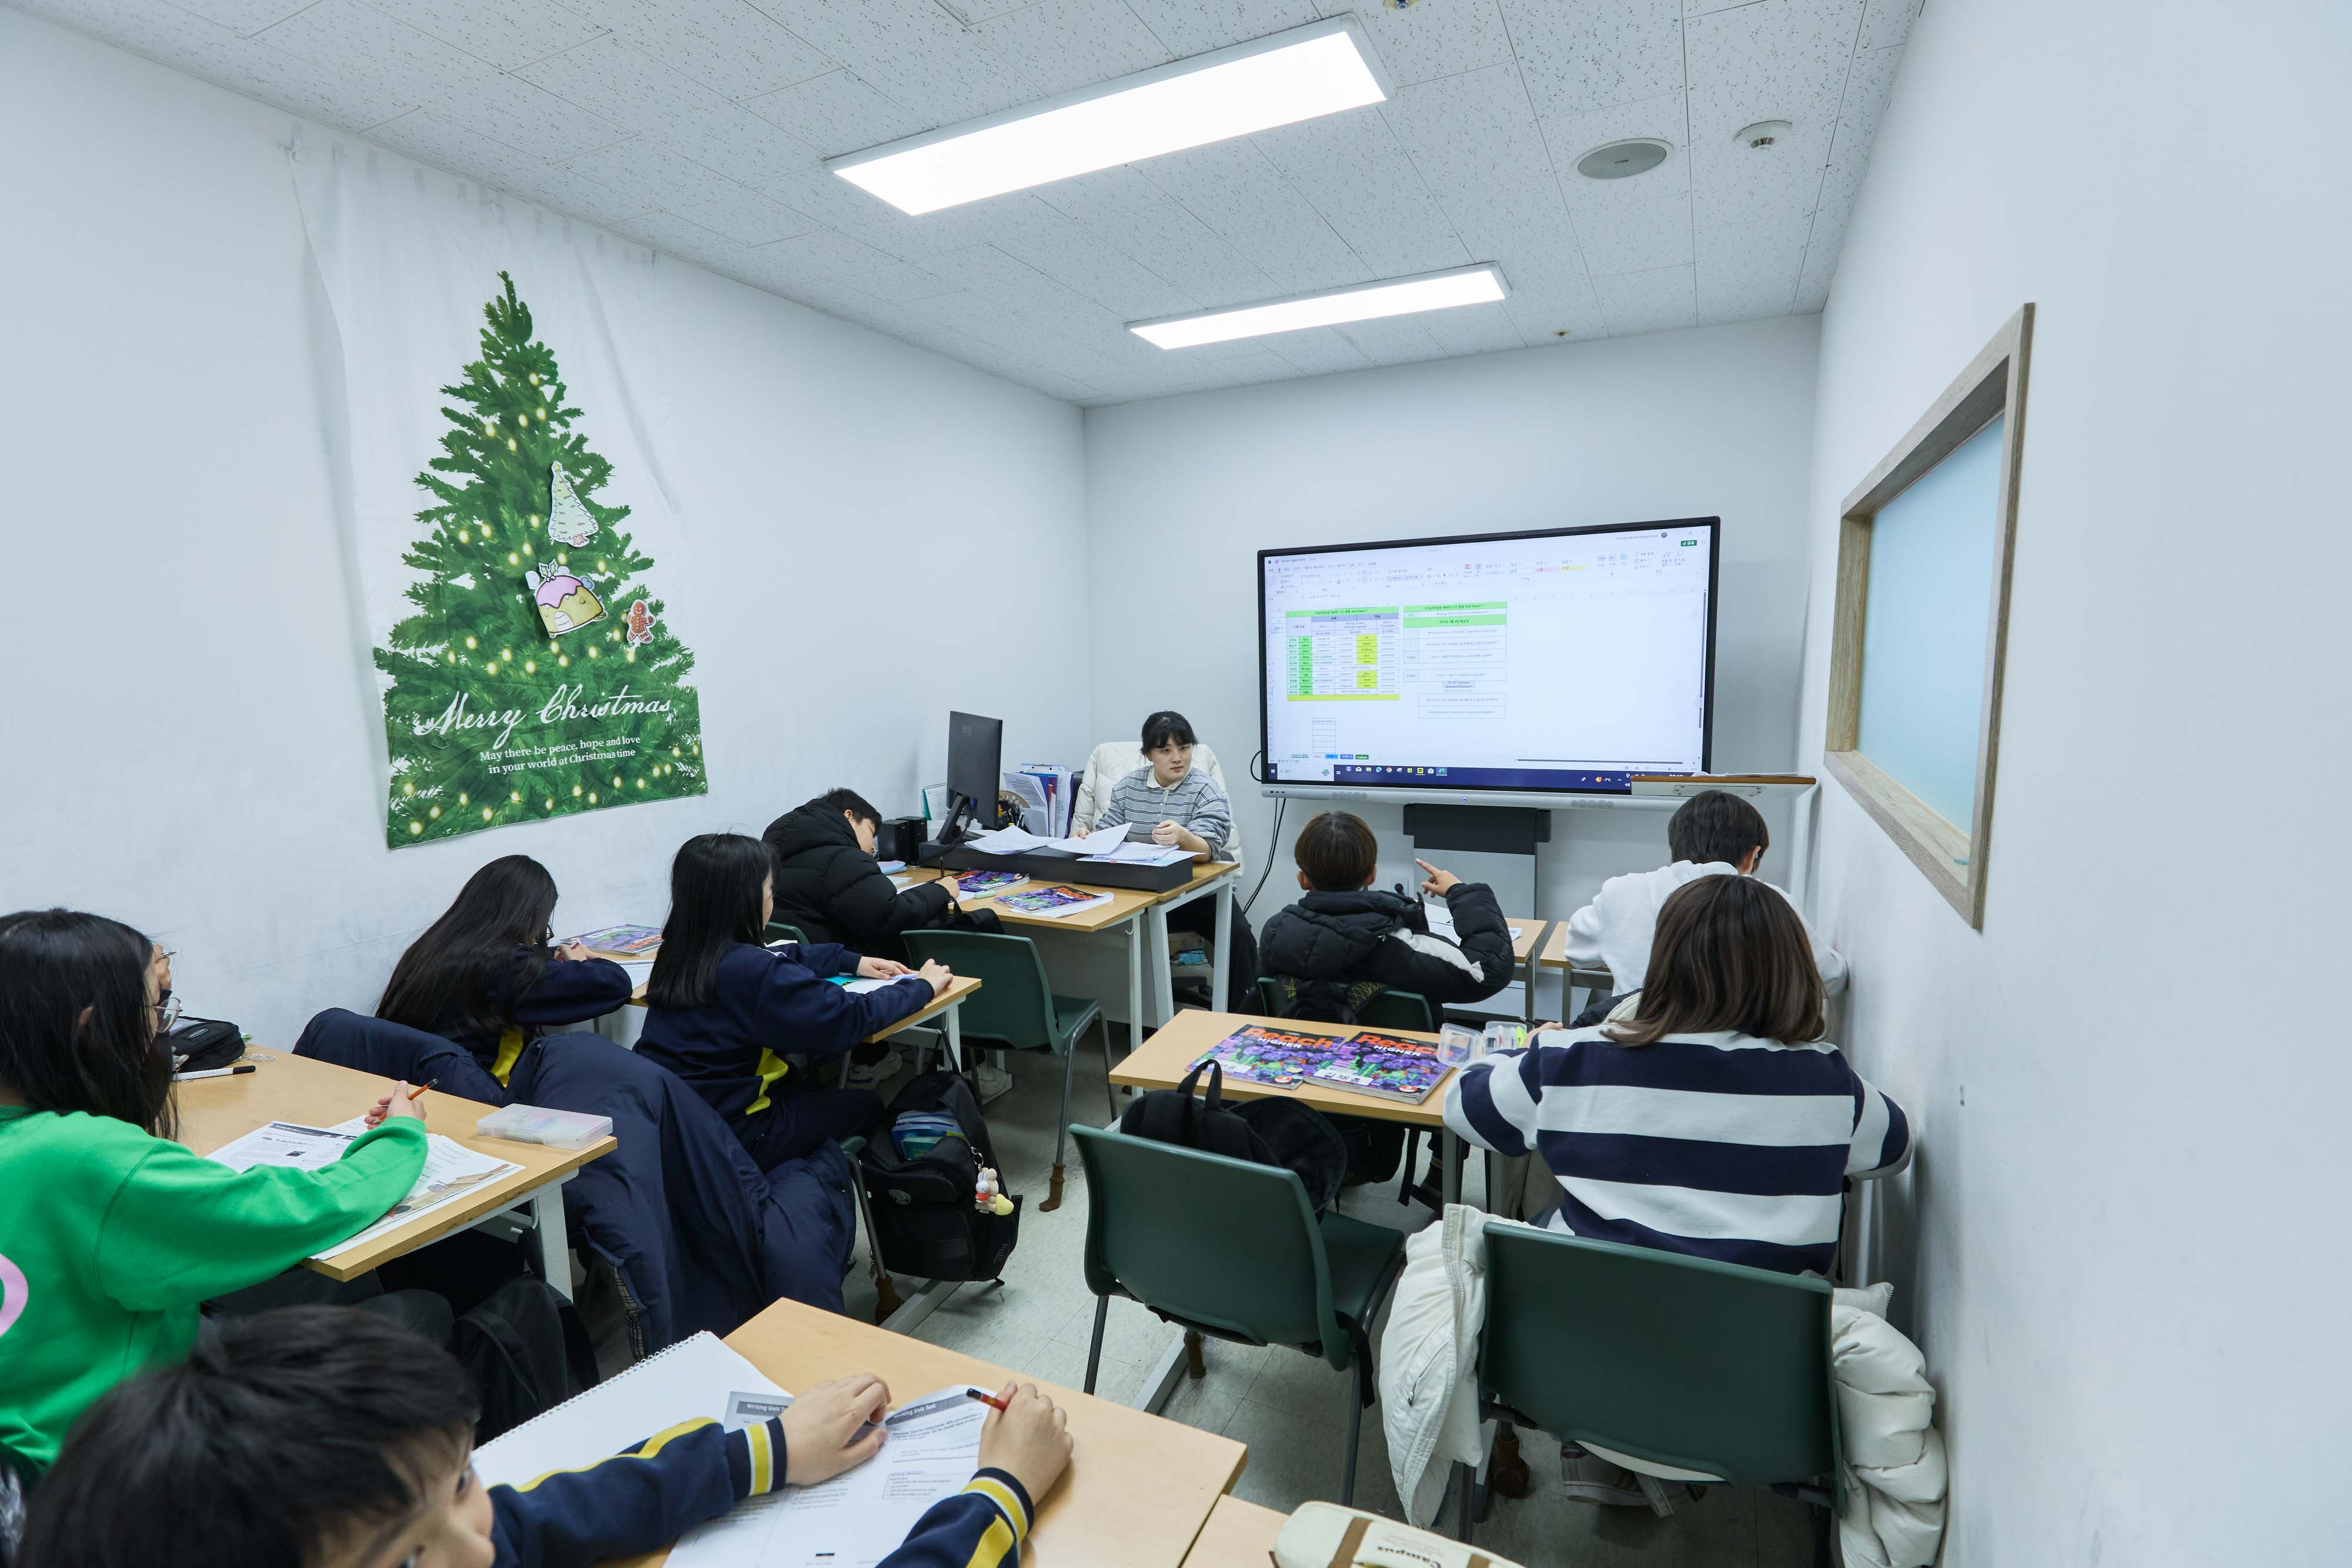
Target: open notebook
x,y
853,1520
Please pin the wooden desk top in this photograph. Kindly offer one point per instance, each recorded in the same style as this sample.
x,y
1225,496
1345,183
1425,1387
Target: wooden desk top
x,y
1238,1535
958,988
216,1111
1555,954
1139,1487
1162,1061
1126,903
1531,930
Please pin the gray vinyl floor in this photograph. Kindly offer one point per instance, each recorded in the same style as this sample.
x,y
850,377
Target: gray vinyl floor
x,y
1290,1409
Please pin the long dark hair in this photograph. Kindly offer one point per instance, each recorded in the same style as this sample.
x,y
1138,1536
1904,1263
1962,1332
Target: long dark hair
x,y
55,965
714,903
1730,953
462,977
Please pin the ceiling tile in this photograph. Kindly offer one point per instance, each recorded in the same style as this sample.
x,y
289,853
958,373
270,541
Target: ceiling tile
x,y
254,68
969,12
1397,340
1191,28
838,205
510,34
1063,248
236,16
1231,187
642,94
150,27
1567,305
1648,301
645,172
1731,183
1317,351
1570,137
730,47
529,117
1473,330
1868,88
570,191
1823,246
429,138
342,42
677,237
1749,270
1354,174
1247,369
1885,23
823,254
1774,59
1637,237
990,273
1060,45
1442,38
1132,214
836,113
917,54
1580,57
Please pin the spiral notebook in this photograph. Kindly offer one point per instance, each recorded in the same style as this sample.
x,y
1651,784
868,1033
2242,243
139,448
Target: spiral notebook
x,y
693,1378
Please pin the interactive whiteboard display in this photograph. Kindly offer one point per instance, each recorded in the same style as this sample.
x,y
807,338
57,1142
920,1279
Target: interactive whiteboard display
x,y
1559,662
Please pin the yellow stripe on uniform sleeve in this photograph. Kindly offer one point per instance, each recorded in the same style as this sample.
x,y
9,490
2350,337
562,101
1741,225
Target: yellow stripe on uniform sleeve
x,y
998,1546
1007,1504
763,1460
645,1451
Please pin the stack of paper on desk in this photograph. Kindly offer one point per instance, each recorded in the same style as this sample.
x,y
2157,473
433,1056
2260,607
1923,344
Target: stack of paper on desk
x,y
451,1169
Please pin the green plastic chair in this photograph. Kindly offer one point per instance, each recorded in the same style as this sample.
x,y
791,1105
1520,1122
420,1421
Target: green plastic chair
x,y
1711,1369
1387,1009
784,931
1014,1007
1230,1248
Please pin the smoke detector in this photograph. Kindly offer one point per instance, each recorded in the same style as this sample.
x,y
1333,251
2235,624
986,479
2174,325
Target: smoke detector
x,y
1623,160
1399,5
1762,134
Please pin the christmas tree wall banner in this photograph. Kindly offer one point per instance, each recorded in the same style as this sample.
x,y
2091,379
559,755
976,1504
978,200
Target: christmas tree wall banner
x,y
517,693
520,553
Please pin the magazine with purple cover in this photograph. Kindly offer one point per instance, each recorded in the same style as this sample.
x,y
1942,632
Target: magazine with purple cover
x,y
1390,1066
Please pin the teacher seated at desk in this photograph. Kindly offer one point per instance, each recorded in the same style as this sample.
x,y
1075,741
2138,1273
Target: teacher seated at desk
x,y
1169,802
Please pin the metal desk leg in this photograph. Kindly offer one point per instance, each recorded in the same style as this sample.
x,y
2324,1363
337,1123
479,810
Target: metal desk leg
x,y
953,1029
554,1246
1163,981
1450,1185
1220,982
1134,981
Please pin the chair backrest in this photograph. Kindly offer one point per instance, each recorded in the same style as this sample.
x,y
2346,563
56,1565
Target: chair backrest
x,y
1219,1244
1013,1003
1683,1361
784,931
1386,1009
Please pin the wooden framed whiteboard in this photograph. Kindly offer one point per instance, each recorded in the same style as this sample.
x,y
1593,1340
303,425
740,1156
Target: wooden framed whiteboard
x,y
1931,792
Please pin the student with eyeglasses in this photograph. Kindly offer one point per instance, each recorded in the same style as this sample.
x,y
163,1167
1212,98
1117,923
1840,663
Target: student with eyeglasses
x,y
113,1234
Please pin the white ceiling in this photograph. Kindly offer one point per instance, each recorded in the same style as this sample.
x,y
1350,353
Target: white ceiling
x,y
697,126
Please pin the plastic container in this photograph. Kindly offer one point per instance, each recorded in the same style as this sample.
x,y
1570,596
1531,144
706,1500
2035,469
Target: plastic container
x,y
1457,1046
1503,1034
538,1124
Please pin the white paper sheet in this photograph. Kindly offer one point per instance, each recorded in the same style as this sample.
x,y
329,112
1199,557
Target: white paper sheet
x,y
857,1519
1441,922
1144,854
451,1171
1013,841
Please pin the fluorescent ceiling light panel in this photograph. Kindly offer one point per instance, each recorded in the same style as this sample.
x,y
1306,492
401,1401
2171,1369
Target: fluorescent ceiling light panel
x,y
1321,68
1480,285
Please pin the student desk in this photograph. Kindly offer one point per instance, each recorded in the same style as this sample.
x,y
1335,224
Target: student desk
x,y
949,1002
217,1111
1594,977
1524,948
1167,1055
1238,1535
1145,918
1138,1487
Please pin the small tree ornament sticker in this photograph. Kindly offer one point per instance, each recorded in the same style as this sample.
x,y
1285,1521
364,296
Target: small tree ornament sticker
x,y
512,694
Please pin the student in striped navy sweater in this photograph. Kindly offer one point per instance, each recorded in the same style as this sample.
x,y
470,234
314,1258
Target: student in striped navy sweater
x,y
325,1438
1710,1118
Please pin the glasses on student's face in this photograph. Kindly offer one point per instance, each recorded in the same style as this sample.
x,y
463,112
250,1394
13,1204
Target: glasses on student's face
x,y
167,1013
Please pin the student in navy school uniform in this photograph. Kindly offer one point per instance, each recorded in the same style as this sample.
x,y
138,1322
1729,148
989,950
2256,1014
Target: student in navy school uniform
x,y
485,976
724,1012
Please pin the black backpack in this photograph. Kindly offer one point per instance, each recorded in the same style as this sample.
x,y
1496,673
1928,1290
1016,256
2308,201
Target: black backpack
x,y
924,1221
527,1351
1271,1132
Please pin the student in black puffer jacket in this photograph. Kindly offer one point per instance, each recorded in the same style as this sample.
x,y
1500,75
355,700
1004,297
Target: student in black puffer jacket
x,y
1345,931
828,885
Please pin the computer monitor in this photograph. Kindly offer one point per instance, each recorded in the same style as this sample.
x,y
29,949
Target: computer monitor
x,y
975,768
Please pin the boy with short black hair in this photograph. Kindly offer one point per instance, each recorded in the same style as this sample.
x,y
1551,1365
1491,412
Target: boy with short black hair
x,y
1347,933
324,1438
1713,833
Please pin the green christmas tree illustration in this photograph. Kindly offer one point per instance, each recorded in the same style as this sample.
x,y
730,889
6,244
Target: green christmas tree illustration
x,y
538,675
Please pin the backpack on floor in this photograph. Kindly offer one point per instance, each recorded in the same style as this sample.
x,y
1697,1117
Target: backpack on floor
x,y
527,1351
919,1188
1271,1132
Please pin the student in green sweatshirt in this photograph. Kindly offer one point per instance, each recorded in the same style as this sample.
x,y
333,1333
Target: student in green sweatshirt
x,y
111,1234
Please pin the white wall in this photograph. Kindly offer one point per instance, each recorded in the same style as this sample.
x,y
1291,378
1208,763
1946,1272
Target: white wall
x,y
1182,493
2124,1248
192,735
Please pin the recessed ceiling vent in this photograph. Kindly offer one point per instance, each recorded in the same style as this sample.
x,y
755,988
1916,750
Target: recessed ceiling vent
x,y
1623,160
